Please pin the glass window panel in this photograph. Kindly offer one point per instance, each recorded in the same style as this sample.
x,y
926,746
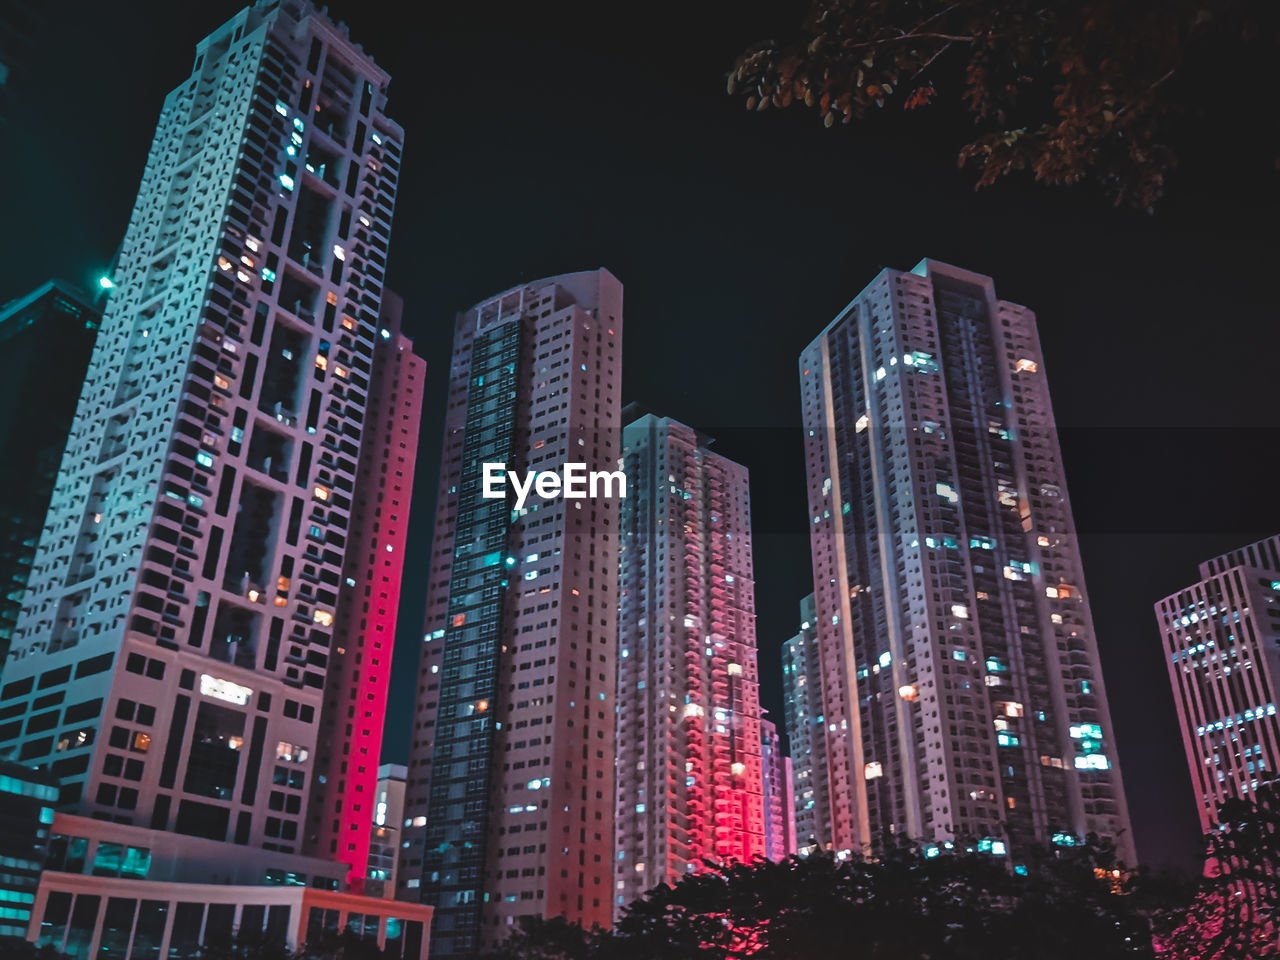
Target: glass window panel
x,y
106,861
53,925
84,916
117,925
150,930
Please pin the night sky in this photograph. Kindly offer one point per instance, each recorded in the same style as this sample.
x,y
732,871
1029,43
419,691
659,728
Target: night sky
x,y
543,138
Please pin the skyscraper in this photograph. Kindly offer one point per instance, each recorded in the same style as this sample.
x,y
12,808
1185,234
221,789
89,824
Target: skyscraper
x,y
776,790
26,812
963,699
173,652
509,801
1222,646
802,705
359,674
689,784
48,336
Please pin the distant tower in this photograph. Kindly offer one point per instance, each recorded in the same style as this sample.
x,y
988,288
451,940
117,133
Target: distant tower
x,y
689,770
47,336
963,699
802,702
388,815
1222,645
172,655
509,800
779,810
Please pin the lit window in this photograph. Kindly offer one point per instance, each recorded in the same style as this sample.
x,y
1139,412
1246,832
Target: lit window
x,y
221,689
291,752
322,617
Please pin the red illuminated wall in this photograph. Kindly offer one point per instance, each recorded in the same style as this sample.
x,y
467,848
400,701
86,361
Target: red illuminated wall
x,y
342,803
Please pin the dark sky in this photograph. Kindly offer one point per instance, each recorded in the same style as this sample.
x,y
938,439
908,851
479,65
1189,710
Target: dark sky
x,y
544,138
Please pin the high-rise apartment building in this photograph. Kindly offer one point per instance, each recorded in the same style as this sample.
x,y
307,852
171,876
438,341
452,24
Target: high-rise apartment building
x,y
689,785
359,674
776,788
802,705
173,654
27,797
47,336
963,701
509,802
1222,644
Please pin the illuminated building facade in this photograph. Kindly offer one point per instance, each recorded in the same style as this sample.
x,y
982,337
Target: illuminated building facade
x,y
173,654
26,812
1222,644
47,336
359,674
689,784
776,792
509,801
384,842
802,703
962,697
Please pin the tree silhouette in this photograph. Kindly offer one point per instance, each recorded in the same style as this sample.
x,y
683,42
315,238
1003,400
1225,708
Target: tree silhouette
x,y
1068,89
904,906
1236,914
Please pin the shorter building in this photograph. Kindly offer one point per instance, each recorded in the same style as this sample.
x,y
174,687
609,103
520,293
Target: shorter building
x,y
114,891
128,919
384,842
779,807
688,776
26,811
1222,647
802,704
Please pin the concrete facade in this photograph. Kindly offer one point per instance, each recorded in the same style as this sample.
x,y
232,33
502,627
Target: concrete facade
x,y
509,800
1222,646
689,777
957,655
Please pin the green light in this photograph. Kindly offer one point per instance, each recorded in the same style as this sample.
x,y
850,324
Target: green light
x,y
106,283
